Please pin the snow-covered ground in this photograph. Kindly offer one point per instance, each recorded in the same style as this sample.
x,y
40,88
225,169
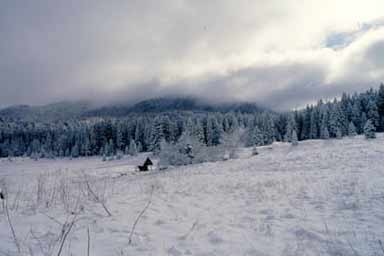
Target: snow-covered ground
x,y
319,198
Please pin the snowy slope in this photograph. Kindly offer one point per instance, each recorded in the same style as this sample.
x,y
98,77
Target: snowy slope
x,y
319,198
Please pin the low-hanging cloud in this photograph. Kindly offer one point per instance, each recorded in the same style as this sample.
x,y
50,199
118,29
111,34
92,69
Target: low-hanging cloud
x,y
279,53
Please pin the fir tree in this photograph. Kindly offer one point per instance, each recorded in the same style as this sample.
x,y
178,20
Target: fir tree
x,y
157,134
352,130
75,151
380,107
213,131
356,116
325,133
119,137
369,130
339,133
132,148
255,137
373,113
291,126
294,140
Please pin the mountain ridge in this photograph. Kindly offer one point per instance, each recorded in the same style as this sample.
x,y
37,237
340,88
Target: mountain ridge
x,y
81,109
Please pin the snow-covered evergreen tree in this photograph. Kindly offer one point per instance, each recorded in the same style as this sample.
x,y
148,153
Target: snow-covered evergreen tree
x,y
213,131
294,139
157,135
314,124
356,117
291,126
352,130
369,130
119,137
324,133
339,133
139,147
373,113
198,131
380,107
75,151
132,148
255,137
334,120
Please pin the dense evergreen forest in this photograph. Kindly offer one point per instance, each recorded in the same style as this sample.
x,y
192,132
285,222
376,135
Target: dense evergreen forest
x,y
146,131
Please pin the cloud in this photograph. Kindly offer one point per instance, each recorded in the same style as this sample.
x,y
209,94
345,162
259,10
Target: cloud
x,y
280,53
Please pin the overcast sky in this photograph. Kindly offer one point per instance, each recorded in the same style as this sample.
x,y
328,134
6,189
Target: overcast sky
x,y
283,53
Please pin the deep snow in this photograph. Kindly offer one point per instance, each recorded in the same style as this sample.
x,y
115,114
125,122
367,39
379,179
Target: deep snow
x,y
318,198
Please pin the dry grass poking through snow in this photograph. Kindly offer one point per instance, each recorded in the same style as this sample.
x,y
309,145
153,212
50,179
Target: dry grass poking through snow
x,y
320,198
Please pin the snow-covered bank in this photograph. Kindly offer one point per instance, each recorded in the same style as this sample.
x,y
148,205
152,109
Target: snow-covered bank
x,y
319,198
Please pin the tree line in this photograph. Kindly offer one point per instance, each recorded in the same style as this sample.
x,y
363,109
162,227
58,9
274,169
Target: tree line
x,y
346,116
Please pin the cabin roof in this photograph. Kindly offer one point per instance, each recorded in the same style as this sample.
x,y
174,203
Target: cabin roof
x,y
148,161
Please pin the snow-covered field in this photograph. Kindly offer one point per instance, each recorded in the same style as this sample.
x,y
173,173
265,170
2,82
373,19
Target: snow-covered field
x,y
319,198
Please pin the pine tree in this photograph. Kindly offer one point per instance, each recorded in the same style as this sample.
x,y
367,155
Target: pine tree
x,y
255,137
314,124
294,139
139,147
291,126
373,113
325,133
213,131
339,133
119,137
363,120
75,151
334,120
369,130
380,107
126,150
111,147
356,116
132,148
268,129
157,135
352,130
36,147
306,132
198,131
87,147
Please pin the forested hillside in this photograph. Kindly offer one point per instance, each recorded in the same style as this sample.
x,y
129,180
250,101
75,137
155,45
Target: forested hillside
x,y
145,127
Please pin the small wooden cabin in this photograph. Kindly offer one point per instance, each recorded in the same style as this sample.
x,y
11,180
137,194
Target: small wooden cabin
x,y
146,166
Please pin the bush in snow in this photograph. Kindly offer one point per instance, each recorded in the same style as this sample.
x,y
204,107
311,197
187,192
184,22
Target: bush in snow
x,y
369,130
188,151
231,142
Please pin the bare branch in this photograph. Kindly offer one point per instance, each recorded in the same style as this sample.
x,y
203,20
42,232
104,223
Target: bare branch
x,y
96,197
4,201
66,233
89,241
141,214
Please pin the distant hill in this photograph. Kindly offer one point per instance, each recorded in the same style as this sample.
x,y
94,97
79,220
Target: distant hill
x,y
72,110
158,105
50,112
